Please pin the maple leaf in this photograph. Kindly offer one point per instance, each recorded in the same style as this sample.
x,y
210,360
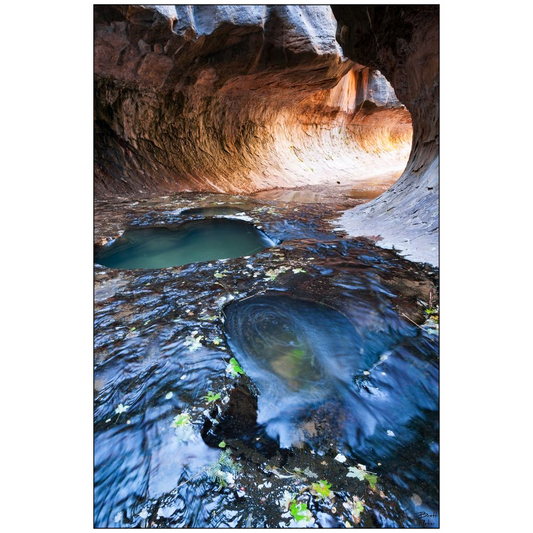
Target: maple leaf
x,y
372,480
286,500
121,409
309,473
300,512
356,472
181,420
234,368
322,488
211,397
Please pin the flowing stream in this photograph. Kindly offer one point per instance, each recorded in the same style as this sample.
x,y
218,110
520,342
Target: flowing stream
x,y
319,343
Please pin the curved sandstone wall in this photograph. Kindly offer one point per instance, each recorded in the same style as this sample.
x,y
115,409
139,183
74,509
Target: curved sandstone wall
x,y
236,99
403,43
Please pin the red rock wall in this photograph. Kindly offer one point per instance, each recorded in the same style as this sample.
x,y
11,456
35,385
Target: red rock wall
x,y
235,99
403,43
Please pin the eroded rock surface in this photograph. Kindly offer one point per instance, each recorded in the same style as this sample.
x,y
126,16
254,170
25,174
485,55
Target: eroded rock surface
x,y
236,99
403,43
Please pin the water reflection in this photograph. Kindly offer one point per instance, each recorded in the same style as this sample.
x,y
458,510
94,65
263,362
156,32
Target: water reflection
x,y
364,190
301,196
217,210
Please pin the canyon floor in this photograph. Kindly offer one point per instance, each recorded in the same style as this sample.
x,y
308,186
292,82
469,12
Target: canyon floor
x,y
206,415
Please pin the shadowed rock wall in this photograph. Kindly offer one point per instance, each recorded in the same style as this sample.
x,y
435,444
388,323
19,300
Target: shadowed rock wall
x,y
403,43
236,99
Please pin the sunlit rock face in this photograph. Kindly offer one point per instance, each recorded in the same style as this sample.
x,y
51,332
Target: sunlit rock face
x,y
236,99
403,43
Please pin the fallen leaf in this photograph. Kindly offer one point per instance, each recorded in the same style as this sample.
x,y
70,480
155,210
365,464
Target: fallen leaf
x,y
355,472
300,512
234,368
286,500
121,409
372,479
181,420
310,473
416,499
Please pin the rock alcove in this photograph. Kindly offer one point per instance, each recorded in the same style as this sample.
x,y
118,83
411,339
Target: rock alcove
x,y
236,99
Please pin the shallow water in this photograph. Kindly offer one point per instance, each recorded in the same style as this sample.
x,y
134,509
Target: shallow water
x,y
216,210
362,190
191,242
296,317
304,196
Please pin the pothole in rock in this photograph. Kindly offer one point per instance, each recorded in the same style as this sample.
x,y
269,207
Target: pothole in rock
x,y
295,351
329,380
191,242
217,210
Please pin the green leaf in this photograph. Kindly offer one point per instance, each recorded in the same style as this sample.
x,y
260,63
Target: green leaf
x,y
211,397
217,341
355,507
298,271
322,488
221,444
181,420
372,480
300,512
234,368
272,275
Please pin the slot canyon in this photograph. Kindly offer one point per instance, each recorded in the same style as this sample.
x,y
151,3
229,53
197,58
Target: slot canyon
x,y
266,236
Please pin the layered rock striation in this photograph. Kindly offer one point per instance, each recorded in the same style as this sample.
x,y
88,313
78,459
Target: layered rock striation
x,y
236,99
403,43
